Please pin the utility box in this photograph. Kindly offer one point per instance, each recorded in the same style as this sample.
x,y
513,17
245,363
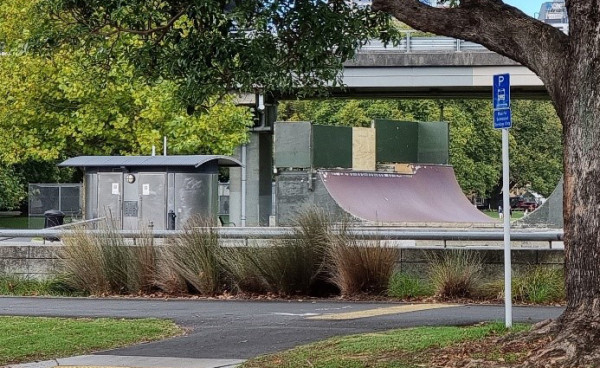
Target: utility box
x,y
137,191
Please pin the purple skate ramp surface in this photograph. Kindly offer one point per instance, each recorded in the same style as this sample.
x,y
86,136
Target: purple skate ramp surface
x,y
431,194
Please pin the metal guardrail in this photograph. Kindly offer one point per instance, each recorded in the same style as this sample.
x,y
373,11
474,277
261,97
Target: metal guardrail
x,y
368,233
411,43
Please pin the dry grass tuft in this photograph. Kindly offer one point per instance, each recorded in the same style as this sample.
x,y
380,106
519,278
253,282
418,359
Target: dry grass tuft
x,y
359,267
455,273
291,266
103,263
197,258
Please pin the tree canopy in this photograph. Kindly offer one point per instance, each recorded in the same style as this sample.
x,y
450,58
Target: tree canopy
x,y
210,47
72,103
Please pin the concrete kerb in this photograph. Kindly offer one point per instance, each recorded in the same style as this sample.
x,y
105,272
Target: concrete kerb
x,y
106,361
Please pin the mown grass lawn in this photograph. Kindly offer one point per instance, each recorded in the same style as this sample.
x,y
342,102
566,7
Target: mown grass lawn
x,y
404,348
25,339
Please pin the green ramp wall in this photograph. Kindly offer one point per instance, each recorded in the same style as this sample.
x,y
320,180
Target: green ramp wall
x,y
412,142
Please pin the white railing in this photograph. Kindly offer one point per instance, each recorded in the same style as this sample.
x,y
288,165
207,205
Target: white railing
x,y
411,43
367,233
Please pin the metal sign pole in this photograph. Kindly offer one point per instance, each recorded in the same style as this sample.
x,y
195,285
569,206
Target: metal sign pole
x,y
503,121
506,211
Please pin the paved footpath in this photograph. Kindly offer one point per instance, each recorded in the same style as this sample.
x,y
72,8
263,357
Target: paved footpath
x,y
224,333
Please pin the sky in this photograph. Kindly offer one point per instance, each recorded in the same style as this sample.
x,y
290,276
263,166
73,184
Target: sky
x,y
528,6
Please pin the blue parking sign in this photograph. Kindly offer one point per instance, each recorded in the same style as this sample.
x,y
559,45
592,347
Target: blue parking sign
x,y
501,89
502,118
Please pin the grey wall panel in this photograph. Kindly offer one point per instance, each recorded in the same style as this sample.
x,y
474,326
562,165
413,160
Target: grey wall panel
x,y
292,144
194,194
294,196
131,206
90,187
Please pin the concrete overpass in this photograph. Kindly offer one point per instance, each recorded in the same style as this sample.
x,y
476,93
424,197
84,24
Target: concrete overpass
x,y
431,67
397,74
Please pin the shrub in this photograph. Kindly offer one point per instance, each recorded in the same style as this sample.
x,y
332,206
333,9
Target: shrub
x,y
538,284
197,257
404,286
291,266
360,266
455,273
19,285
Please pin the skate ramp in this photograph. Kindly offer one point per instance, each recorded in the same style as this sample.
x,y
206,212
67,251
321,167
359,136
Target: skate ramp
x,y
549,214
430,194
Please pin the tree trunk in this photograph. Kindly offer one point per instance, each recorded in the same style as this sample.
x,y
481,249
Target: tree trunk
x,y
577,343
569,66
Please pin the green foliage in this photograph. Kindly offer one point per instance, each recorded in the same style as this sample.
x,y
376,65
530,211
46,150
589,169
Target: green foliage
x,y
209,47
18,285
90,101
12,192
404,286
61,108
539,284
24,339
411,347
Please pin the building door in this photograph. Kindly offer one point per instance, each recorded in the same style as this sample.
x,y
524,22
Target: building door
x,y
110,191
153,199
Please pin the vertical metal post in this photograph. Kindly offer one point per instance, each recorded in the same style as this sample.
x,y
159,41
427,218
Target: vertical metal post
x,y
244,174
408,48
506,212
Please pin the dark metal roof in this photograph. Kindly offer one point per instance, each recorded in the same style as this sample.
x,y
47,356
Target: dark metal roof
x,y
146,161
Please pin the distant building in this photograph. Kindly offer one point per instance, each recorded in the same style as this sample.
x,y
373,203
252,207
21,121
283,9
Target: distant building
x,y
555,13
365,3
362,3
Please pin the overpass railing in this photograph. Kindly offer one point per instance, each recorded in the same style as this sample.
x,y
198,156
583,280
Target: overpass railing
x,y
411,43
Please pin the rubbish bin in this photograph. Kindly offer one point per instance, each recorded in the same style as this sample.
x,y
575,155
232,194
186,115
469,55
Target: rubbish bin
x,y
53,218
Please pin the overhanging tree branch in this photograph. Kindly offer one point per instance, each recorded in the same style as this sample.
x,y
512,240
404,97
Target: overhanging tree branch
x,y
500,27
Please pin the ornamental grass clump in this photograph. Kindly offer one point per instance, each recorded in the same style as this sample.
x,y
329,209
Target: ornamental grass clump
x,y
360,267
537,284
196,258
406,286
295,265
103,262
455,273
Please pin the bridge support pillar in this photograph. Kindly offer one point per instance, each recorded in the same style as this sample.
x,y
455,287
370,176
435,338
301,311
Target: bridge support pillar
x,y
256,179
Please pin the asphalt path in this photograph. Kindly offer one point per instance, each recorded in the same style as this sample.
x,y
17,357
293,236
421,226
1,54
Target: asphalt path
x,y
234,329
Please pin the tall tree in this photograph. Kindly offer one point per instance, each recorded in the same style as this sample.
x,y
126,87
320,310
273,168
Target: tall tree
x,y
568,65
